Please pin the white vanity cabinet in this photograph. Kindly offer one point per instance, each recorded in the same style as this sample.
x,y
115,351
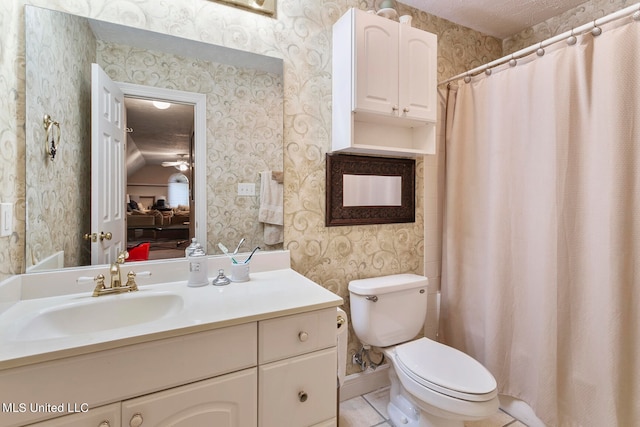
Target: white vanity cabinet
x,y
259,353
277,371
384,86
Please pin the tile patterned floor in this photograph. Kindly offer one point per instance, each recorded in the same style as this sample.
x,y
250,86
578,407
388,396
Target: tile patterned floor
x,y
370,410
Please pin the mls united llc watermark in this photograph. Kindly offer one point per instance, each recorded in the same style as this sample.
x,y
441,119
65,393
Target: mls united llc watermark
x,y
34,407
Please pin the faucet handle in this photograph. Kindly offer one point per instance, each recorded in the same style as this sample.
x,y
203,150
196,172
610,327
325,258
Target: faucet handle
x,y
122,256
131,281
100,287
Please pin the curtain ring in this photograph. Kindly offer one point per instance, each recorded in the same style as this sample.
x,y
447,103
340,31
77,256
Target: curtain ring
x,y
513,62
571,40
487,71
52,138
540,51
467,78
596,31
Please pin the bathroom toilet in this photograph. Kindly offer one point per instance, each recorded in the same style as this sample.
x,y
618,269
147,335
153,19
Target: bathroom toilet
x,y
432,385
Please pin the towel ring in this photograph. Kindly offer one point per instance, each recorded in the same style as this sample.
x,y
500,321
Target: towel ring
x,y
52,138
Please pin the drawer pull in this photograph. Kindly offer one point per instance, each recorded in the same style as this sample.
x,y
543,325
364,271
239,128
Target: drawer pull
x,y
136,420
303,336
105,423
302,396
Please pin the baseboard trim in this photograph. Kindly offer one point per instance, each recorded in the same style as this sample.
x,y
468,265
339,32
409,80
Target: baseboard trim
x,y
364,382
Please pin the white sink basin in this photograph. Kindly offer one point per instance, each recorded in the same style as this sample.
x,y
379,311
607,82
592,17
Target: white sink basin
x,y
95,314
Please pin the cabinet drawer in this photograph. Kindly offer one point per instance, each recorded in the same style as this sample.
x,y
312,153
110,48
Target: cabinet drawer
x,y
294,335
298,392
104,416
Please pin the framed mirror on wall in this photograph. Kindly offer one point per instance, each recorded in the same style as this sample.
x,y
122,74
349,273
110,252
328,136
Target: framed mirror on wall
x,y
369,190
243,134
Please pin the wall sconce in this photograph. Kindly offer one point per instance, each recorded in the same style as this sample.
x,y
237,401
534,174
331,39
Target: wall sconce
x,y
52,138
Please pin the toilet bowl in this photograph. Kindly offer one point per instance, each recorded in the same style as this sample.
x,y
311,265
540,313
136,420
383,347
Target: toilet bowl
x,y
432,385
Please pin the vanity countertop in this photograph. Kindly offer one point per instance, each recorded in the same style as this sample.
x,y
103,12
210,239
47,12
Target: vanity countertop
x,y
268,294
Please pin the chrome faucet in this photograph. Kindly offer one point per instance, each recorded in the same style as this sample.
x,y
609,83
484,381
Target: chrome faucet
x,y
116,286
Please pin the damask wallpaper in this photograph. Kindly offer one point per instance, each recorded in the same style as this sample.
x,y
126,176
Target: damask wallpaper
x,y
301,36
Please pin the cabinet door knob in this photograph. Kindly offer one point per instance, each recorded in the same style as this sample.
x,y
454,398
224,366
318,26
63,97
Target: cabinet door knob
x,y
405,109
303,336
394,108
302,396
136,420
105,423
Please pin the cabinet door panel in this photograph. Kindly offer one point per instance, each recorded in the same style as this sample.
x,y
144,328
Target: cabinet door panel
x,y
418,56
300,391
226,401
376,59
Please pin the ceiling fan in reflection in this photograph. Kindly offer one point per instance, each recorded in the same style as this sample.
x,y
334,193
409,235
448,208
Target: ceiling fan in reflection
x,y
181,164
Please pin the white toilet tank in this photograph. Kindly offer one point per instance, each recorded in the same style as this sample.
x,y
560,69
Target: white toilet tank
x,y
388,310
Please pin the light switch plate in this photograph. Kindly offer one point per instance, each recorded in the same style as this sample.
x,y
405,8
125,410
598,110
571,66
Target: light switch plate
x,y
6,219
246,189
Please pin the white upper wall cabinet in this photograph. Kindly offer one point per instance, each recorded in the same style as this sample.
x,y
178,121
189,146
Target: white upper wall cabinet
x,y
384,86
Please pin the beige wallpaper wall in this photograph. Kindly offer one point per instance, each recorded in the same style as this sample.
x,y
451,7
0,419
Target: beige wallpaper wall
x,y
301,35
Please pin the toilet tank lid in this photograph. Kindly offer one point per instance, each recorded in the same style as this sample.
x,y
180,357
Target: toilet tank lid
x,y
385,284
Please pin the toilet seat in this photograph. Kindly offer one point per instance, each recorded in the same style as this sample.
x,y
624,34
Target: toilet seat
x,y
445,370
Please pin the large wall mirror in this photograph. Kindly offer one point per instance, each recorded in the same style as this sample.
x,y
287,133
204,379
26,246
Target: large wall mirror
x,y
242,141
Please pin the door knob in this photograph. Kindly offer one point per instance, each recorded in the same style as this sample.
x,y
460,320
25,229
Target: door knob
x,y
91,236
105,236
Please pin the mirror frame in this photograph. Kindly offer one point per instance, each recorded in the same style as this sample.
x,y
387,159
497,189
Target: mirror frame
x,y
339,165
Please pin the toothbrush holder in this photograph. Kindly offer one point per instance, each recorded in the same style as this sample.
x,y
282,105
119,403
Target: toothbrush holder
x,y
240,272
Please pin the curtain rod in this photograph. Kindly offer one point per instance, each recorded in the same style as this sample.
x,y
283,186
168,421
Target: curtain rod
x,y
592,26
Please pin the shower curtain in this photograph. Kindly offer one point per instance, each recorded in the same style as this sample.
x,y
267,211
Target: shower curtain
x,y
541,234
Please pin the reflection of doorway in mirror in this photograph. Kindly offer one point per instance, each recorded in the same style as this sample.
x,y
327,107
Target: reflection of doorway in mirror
x,y
159,161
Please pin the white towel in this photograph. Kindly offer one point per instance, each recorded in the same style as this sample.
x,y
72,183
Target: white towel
x,y
271,211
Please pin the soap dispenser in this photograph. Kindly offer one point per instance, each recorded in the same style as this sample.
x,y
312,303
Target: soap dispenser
x,y
197,267
189,249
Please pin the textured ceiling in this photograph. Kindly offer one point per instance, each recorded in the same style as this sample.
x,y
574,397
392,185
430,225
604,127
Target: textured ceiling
x,y
158,135
498,18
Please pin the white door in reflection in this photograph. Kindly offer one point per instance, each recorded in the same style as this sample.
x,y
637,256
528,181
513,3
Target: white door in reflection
x,y
107,167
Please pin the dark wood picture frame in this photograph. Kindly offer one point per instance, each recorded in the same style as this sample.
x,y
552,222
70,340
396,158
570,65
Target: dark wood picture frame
x,y
339,165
